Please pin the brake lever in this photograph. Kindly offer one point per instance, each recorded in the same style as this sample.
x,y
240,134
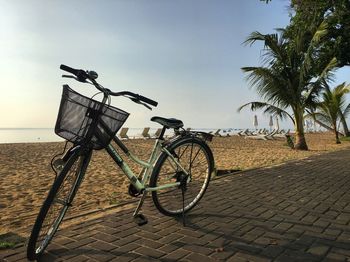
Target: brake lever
x,y
139,102
69,76
76,78
145,105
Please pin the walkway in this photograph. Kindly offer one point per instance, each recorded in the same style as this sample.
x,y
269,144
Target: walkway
x,y
299,211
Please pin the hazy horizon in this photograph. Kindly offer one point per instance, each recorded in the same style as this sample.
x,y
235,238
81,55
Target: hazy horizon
x,y
185,54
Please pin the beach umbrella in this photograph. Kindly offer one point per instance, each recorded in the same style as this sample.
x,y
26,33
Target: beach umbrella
x,y
277,125
271,123
255,122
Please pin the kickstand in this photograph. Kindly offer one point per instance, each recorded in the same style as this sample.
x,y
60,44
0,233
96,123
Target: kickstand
x,y
183,205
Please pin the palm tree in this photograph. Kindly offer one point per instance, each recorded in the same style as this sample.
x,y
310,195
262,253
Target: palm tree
x,y
332,107
292,76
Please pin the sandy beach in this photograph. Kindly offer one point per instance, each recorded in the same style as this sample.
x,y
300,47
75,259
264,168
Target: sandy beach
x,y
26,174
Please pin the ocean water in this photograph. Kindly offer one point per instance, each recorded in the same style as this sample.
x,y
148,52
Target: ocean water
x,y
33,135
28,135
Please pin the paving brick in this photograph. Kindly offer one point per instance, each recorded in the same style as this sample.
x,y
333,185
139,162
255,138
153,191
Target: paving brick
x,y
126,240
79,258
105,237
149,243
125,257
79,243
176,255
196,257
170,238
151,252
342,251
272,251
248,257
198,249
336,257
318,250
168,248
223,254
99,255
100,245
127,247
149,235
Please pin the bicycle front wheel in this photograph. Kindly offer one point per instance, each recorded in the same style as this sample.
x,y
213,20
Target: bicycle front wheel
x,y
57,203
196,158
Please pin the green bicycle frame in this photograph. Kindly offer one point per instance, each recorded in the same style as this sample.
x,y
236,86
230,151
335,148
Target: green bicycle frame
x,y
141,185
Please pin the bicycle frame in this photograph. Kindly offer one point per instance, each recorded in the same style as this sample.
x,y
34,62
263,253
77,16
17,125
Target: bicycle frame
x,y
141,185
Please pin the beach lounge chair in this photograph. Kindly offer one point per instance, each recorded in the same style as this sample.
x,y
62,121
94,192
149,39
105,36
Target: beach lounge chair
x,y
262,131
123,133
217,132
242,132
145,133
282,134
258,137
248,133
271,134
157,133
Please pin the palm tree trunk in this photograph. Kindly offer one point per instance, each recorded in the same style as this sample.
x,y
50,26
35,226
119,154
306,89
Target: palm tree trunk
x,y
300,141
345,126
337,140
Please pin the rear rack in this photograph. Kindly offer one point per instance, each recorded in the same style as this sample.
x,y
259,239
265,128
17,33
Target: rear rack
x,y
203,135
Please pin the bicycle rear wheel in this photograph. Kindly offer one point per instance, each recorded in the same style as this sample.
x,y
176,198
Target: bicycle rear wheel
x,y
196,158
57,203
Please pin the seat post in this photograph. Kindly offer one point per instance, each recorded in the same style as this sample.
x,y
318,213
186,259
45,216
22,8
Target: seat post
x,y
161,136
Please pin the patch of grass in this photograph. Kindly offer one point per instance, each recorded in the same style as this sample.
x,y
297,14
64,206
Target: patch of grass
x,y
5,244
10,240
345,138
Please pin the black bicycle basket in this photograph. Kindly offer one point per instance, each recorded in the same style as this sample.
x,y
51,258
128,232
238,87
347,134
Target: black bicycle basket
x,y
83,120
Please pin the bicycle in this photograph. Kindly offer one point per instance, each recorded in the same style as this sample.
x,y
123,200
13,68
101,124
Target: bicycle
x,y
177,173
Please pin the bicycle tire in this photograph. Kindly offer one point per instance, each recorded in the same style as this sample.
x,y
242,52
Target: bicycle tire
x,y
37,244
169,201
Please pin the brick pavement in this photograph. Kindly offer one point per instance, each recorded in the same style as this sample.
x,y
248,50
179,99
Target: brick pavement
x,y
299,211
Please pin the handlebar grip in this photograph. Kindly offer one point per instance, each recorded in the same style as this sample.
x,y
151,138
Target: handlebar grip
x,y
79,73
148,101
69,69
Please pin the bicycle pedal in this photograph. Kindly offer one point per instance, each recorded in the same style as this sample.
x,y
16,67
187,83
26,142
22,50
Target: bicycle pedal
x,y
140,220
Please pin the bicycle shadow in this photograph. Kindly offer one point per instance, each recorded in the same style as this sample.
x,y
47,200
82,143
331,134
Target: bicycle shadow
x,y
266,242
224,239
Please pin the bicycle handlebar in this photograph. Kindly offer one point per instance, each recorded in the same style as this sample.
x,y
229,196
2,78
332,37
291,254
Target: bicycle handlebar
x,y
79,73
82,76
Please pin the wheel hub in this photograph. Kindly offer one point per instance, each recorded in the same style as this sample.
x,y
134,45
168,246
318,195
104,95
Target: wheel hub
x,y
182,178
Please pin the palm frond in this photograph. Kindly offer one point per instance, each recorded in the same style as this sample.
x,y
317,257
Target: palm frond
x,y
272,45
312,47
270,85
326,73
267,109
322,117
322,31
323,124
346,110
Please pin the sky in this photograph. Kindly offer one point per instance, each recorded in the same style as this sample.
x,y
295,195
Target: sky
x,y
185,54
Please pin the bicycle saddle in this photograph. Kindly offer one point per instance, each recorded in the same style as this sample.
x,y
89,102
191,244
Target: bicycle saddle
x,y
168,122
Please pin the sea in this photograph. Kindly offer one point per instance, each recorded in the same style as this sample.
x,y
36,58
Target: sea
x,y
33,135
